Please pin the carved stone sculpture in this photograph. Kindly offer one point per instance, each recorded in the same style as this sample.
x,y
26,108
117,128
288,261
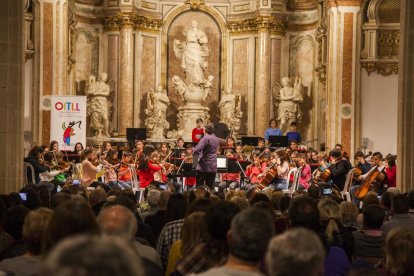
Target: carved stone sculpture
x,y
288,102
99,104
195,88
230,110
156,111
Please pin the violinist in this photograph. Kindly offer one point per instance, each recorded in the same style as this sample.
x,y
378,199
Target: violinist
x,y
323,165
180,143
139,147
33,158
339,168
239,153
164,150
54,146
124,172
147,166
89,171
254,170
78,148
55,170
343,153
230,180
305,175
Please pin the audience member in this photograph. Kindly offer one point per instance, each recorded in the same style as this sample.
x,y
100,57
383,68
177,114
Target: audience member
x,y
213,253
411,199
34,230
349,213
92,256
157,220
369,241
152,200
120,222
247,239
296,252
12,222
97,199
400,216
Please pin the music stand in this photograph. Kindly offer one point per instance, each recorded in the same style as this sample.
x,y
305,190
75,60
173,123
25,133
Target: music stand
x,y
222,163
278,141
250,140
136,134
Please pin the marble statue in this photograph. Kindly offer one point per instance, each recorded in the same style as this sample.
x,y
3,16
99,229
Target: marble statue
x,y
156,111
195,88
99,104
288,102
230,110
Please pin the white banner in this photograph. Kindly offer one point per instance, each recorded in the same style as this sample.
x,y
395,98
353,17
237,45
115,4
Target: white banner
x,y
68,121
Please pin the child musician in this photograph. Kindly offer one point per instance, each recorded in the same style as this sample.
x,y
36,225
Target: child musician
x,y
253,171
124,172
112,165
305,175
198,132
89,171
147,167
230,180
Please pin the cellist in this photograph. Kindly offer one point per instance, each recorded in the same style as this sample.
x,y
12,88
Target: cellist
x,y
339,168
281,162
376,162
361,167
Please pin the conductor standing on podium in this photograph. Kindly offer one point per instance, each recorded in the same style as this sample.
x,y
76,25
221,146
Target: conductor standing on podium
x,y
207,152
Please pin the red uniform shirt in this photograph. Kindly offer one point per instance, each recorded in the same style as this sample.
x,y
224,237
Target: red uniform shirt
x,y
146,176
197,134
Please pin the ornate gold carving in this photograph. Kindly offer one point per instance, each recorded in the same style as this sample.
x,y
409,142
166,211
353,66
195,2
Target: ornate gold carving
x,y
131,19
321,73
259,23
382,68
28,41
388,44
195,4
71,41
321,39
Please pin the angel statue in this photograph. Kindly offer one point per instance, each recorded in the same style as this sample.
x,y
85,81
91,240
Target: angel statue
x,y
288,102
230,110
99,104
156,111
193,54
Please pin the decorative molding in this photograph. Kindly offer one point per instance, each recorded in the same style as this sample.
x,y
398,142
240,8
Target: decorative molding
x,y
131,19
29,50
195,4
302,4
71,41
388,44
321,73
257,24
382,68
321,39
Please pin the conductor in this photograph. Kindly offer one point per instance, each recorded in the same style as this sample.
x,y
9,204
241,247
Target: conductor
x,y
207,152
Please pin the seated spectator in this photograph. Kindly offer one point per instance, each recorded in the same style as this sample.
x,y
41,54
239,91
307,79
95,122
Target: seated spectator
x,y
59,198
34,229
157,220
400,216
213,253
282,221
296,252
349,213
92,256
368,242
120,222
386,203
97,199
398,251
411,199
194,231
152,200
71,218
12,222
247,239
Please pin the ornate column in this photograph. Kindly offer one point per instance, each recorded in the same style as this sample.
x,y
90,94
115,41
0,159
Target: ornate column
x,y
342,64
262,75
405,138
126,73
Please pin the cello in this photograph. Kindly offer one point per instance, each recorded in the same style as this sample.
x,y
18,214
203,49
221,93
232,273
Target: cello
x,y
373,181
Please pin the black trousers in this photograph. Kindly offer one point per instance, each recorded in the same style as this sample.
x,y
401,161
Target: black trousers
x,y
205,178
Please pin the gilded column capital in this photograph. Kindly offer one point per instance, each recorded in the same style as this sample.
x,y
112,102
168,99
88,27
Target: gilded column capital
x,y
132,20
148,24
257,24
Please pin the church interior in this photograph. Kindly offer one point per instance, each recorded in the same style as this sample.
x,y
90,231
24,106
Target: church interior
x,y
206,137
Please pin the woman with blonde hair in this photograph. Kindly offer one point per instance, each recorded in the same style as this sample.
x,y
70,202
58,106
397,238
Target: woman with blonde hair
x,y
194,231
399,248
334,233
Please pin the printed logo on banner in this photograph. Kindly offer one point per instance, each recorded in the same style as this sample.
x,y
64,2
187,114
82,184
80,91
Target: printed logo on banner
x,y
68,121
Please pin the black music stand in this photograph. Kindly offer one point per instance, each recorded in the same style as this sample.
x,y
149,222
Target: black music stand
x,y
222,163
278,141
250,140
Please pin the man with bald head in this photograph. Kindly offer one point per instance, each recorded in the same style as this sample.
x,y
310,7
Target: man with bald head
x,y
119,221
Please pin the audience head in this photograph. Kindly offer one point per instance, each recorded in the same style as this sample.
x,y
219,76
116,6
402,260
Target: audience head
x,y
284,203
398,249
33,200
411,199
349,212
97,196
386,200
153,197
331,217
199,205
13,220
241,202
119,221
249,234
259,197
194,231
70,218
59,198
163,199
373,216
314,192
400,204
304,212
370,198
176,208
219,217
35,228
92,256
296,252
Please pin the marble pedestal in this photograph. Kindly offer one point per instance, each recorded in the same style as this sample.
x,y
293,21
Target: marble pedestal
x,y
187,117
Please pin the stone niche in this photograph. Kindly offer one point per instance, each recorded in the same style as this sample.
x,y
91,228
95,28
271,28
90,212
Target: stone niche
x,y
177,29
